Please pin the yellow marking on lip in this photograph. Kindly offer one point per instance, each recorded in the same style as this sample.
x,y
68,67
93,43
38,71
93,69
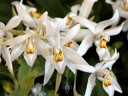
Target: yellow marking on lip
x,y
68,44
58,56
30,46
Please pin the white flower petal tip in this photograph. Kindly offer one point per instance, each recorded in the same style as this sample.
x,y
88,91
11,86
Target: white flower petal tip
x,y
14,22
86,8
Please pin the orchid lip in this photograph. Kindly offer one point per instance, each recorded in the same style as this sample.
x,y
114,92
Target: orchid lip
x,y
58,55
107,81
30,46
103,42
68,44
35,14
69,20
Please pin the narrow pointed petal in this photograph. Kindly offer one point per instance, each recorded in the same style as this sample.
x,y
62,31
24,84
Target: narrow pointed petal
x,y
85,22
114,31
116,85
103,24
81,34
86,8
2,26
17,40
109,90
30,58
71,34
44,16
14,22
17,51
75,9
49,69
85,68
110,61
73,56
7,57
25,17
86,44
90,85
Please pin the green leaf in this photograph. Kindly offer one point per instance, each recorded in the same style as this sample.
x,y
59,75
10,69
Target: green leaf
x,y
27,75
99,89
117,45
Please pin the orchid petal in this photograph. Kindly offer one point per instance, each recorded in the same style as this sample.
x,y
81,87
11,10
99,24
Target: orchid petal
x,y
114,31
90,85
25,17
8,35
111,61
2,33
109,90
85,68
86,44
125,27
17,40
86,8
85,22
101,52
81,34
44,51
69,36
116,85
71,67
30,58
61,66
14,22
44,17
49,69
73,56
7,57
2,26
103,24
75,9
17,51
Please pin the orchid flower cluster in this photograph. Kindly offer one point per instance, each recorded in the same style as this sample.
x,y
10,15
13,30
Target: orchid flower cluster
x,y
55,39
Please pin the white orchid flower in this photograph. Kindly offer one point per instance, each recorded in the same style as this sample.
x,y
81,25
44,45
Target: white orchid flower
x,y
110,84
33,19
4,31
29,44
98,35
122,7
63,52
